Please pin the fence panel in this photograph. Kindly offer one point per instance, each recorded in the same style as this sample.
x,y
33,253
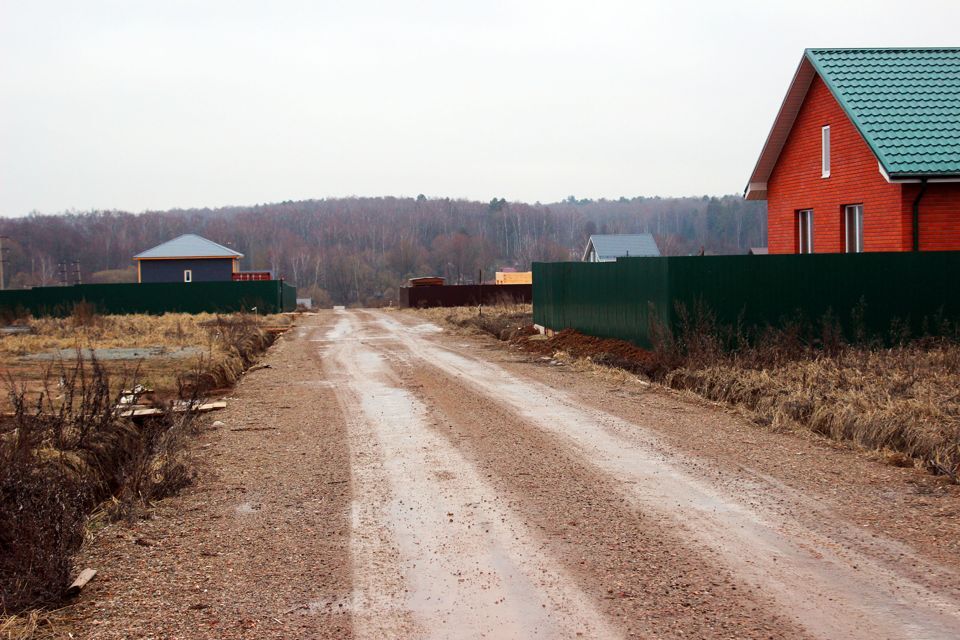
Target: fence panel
x,y
873,291
154,298
463,295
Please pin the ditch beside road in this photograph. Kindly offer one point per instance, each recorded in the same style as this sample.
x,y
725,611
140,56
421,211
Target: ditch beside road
x,y
385,478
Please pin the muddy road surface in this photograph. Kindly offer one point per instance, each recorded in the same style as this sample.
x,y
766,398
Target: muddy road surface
x,y
430,485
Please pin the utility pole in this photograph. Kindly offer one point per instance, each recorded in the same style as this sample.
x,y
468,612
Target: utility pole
x,y
3,261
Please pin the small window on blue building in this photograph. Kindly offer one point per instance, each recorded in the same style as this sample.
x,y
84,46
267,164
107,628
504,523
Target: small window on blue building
x,y
187,275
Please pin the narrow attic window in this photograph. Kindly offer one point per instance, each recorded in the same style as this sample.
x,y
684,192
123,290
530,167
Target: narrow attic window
x,y
825,152
188,275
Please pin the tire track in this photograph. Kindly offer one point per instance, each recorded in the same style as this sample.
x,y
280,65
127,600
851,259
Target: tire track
x,y
643,575
824,584
437,553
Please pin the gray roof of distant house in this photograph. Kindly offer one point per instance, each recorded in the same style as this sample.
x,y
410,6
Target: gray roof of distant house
x,y
636,245
188,246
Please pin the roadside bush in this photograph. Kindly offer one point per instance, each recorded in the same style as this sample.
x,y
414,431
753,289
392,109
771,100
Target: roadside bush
x,y
502,320
241,338
62,455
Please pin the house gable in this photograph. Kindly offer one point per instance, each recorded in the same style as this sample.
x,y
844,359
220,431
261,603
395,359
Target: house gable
x,y
796,182
904,102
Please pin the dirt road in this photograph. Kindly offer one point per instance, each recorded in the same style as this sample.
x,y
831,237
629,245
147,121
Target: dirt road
x,y
416,484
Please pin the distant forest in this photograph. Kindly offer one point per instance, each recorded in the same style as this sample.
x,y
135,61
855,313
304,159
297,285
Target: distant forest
x,y
359,250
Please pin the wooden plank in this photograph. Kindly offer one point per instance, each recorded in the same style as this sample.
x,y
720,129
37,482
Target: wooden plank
x,y
149,412
85,576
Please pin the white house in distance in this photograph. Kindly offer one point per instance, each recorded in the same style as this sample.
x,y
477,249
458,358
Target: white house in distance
x,y
607,248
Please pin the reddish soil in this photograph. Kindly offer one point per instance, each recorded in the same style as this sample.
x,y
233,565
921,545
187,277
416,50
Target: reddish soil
x,y
607,351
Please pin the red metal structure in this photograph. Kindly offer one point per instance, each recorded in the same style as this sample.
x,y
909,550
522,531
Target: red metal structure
x,y
246,276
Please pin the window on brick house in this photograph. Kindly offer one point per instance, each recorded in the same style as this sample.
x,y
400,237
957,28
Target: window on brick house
x,y
825,152
805,228
853,227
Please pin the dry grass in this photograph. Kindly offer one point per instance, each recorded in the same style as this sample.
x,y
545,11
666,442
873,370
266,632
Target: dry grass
x,y
104,332
33,625
211,334
500,321
67,454
904,400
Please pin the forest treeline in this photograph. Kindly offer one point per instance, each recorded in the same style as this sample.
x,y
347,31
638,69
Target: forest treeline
x,y
359,250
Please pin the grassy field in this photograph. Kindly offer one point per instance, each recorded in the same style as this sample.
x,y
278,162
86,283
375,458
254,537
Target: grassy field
x,y
156,351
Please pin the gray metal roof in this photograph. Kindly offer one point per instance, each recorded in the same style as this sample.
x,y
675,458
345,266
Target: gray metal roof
x,y
188,246
637,245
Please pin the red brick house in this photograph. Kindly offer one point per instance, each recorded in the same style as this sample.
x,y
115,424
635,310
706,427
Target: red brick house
x,y
864,154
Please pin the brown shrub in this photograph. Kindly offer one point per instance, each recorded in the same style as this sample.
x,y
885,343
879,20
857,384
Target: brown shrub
x,y
499,320
60,456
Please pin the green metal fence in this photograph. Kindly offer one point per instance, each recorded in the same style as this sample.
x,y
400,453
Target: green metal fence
x,y
154,298
875,292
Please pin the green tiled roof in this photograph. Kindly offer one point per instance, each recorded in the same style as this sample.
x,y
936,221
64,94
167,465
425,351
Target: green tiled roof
x,y
905,102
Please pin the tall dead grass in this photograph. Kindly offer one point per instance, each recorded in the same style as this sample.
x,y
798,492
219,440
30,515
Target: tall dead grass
x,y
120,331
60,454
66,449
903,399
499,320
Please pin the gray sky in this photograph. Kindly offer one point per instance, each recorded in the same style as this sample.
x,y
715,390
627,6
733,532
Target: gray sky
x,y
144,105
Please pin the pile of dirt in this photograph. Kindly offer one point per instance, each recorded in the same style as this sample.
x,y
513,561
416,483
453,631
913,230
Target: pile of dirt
x,y
604,351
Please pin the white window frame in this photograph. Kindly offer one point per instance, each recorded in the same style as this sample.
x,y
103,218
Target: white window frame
x,y
805,245
825,151
188,275
856,212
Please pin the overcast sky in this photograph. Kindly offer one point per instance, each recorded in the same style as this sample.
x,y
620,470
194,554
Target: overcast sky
x,y
144,105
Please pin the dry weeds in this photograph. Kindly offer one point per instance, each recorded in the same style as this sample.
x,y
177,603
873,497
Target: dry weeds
x,y
903,401
500,321
67,455
117,331
214,335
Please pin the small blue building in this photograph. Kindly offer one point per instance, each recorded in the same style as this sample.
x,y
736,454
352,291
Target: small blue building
x,y
188,258
607,248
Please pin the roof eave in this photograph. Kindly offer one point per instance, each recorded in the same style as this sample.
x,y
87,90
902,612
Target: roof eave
x,y
140,256
917,177
782,125
756,191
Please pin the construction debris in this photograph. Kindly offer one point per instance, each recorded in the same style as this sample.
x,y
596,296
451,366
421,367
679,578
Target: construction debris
x,y
146,412
85,576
